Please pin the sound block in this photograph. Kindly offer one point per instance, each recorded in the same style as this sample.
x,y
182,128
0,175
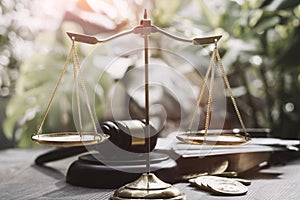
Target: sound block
x,y
98,171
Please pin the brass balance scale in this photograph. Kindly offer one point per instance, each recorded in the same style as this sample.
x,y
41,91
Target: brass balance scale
x,y
148,186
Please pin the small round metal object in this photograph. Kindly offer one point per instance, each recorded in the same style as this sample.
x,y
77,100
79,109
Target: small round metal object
x,y
214,138
227,186
202,181
65,139
148,186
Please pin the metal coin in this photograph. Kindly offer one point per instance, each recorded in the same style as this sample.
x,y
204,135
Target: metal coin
x,y
242,180
192,182
227,186
202,181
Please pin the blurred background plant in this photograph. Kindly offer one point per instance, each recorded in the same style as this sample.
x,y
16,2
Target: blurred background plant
x,y
15,46
259,48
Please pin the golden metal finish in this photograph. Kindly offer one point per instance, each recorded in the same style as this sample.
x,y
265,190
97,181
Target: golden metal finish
x,y
200,137
55,90
135,141
230,93
70,138
148,186
137,132
64,139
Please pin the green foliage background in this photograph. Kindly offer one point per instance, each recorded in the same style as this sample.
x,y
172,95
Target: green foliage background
x,y
260,48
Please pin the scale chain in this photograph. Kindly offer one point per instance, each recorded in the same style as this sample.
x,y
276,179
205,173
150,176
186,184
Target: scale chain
x,y
77,71
76,87
76,64
231,94
201,93
54,92
208,115
211,69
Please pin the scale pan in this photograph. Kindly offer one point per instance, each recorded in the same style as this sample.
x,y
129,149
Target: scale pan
x,y
212,138
65,139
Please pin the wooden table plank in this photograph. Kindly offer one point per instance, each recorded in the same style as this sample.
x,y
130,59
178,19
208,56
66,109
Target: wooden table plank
x,y
21,179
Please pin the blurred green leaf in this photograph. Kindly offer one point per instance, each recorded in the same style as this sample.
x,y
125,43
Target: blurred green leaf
x,y
11,121
209,14
290,56
282,4
237,47
35,86
164,11
266,23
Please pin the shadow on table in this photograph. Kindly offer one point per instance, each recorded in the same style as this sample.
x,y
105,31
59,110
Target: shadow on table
x,y
49,171
263,175
66,191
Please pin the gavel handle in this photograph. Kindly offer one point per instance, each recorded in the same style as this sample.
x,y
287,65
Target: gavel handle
x,y
59,153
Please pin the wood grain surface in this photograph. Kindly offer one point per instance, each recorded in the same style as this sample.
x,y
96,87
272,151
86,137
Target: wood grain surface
x,y
20,178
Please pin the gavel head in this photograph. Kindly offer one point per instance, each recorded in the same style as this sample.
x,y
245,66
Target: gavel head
x,y
130,135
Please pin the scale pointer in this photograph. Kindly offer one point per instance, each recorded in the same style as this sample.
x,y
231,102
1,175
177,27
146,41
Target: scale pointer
x,y
206,40
83,38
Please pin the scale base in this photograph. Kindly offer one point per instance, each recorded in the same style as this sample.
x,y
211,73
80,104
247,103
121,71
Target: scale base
x,y
96,171
148,186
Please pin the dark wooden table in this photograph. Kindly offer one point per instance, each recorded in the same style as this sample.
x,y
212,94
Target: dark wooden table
x,y
21,179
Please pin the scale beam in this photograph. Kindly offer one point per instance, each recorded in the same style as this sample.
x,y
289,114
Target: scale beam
x,y
88,39
142,29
